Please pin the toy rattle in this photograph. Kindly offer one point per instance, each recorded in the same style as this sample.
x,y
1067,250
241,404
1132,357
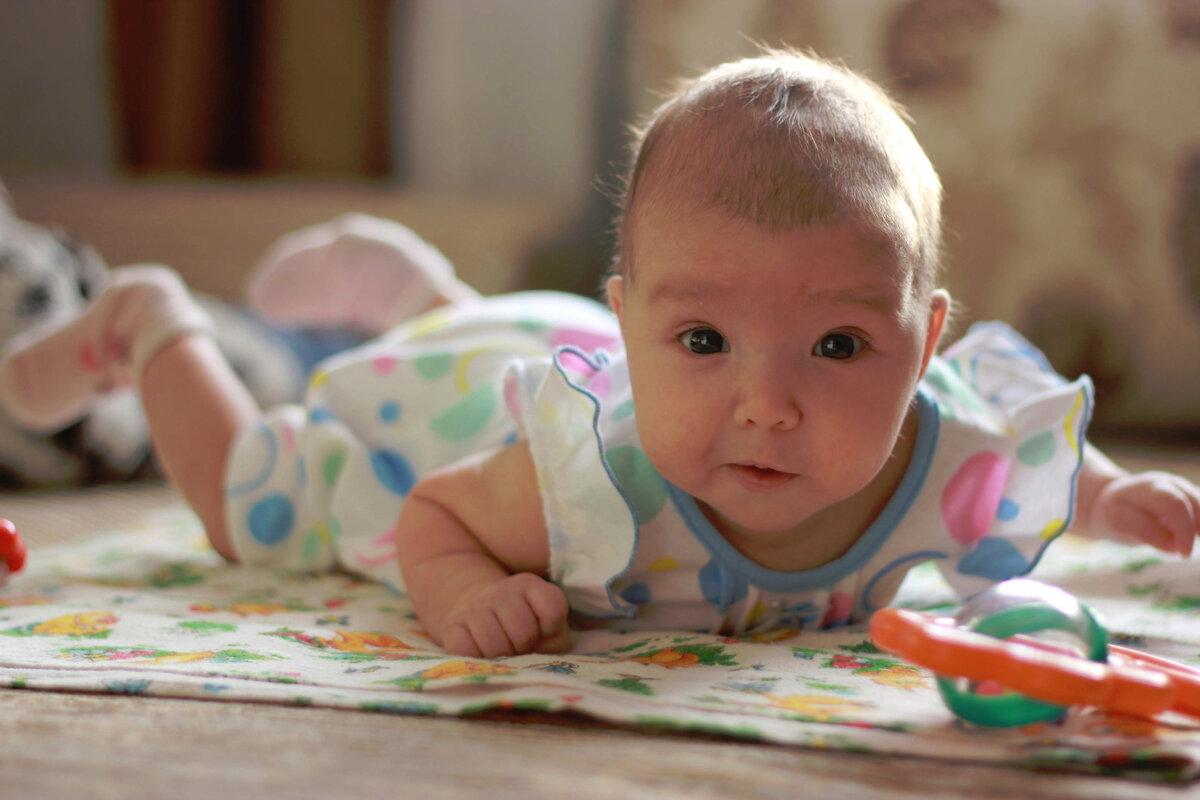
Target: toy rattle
x,y
1022,651
12,550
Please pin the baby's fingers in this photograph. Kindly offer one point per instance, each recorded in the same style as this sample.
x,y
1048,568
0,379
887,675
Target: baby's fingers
x,y
477,634
490,635
1160,513
458,641
519,623
548,606
1175,511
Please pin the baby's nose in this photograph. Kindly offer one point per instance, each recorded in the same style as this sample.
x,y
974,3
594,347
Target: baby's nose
x,y
768,401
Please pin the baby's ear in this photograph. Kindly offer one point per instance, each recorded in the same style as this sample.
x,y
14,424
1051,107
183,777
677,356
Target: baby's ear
x,y
939,311
615,290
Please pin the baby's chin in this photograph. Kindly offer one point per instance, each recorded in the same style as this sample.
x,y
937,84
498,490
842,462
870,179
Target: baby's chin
x,y
744,522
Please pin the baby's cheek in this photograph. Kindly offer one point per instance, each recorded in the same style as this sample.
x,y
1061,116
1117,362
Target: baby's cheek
x,y
671,447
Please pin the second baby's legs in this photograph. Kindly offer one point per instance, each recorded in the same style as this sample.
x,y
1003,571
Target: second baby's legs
x,y
143,330
146,330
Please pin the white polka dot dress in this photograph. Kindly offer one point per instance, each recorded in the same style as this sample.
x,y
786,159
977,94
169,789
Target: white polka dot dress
x,y
991,481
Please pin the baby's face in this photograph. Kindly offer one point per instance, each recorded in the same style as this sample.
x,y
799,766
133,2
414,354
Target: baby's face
x,y
772,371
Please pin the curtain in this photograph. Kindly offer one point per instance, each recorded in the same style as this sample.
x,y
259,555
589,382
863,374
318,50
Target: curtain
x,y
297,87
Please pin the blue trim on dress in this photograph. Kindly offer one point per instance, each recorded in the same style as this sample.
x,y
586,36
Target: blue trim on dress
x,y
908,561
863,549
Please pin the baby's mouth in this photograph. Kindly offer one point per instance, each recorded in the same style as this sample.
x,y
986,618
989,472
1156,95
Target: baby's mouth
x,y
759,478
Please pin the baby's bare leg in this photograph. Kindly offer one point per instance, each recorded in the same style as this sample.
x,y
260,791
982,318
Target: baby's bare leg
x,y
144,330
197,407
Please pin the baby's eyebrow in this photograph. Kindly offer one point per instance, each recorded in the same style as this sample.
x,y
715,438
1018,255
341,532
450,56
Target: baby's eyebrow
x,y
690,291
868,296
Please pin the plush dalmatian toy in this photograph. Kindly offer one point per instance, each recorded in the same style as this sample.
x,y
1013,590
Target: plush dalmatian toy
x,y
46,277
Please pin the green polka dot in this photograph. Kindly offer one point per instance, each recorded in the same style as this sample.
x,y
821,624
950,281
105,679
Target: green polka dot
x,y
332,467
639,480
312,545
622,411
467,417
943,378
1037,449
434,365
530,325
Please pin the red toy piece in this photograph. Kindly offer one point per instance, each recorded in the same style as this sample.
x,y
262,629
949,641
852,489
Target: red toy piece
x,y
12,549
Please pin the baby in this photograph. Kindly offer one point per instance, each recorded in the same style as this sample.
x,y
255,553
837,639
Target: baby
x,y
762,435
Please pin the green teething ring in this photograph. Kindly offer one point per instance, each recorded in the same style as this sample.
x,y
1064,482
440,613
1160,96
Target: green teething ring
x,y
1027,607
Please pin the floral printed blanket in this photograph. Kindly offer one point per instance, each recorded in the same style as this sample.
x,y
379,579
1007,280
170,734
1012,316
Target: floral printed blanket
x,y
153,611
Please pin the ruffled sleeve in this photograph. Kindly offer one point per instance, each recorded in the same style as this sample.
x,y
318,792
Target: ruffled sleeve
x,y
560,405
1012,434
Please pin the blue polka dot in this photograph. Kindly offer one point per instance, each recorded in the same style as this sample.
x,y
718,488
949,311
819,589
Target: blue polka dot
x,y
1008,510
389,412
511,438
271,519
321,414
393,471
995,559
721,587
637,593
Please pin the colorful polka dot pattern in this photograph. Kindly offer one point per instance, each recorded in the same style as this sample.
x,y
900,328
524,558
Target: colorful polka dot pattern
x,y
377,422
378,418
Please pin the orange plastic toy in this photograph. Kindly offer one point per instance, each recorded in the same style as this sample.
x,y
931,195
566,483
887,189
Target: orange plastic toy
x,y
1042,675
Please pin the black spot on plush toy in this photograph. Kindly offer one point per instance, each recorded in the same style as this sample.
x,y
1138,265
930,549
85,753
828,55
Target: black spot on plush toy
x,y
46,278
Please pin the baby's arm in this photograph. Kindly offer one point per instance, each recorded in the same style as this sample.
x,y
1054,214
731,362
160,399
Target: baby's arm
x,y
1157,508
473,550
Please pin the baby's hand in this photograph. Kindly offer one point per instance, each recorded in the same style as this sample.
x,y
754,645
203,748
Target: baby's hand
x,y
1156,508
520,614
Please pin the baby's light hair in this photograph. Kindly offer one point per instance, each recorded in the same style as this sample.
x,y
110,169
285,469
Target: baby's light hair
x,y
787,140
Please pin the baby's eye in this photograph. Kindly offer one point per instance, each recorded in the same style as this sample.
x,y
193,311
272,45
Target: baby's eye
x,y
839,346
703,341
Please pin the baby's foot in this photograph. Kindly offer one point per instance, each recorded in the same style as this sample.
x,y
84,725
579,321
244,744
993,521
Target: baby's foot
x,y
355,271
49,378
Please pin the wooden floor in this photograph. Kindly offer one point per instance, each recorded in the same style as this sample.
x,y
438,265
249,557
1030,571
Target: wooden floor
x,y
56,745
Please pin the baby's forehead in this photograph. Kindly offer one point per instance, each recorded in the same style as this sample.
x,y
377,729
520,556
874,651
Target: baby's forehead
x,y
684,240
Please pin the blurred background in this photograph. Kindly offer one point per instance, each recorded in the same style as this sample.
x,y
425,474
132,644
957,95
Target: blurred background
x,y
194,131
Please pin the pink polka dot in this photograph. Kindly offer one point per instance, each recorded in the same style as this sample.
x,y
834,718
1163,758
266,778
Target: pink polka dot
x,y
601,385
584,340
289,437
512,398
575,364
384,364
972,496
